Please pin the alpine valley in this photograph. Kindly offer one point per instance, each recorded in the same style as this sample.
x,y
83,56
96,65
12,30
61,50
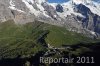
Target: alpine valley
x,y
30,29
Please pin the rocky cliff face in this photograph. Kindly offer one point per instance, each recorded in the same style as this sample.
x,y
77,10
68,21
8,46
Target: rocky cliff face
x,y
15,10
84,17
5,12
91,20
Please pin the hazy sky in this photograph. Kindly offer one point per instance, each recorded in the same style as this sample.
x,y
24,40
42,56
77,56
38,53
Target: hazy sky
x,y
61,1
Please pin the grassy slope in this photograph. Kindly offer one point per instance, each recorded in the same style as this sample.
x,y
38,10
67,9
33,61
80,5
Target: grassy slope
x,y
59,36
23,39
19,39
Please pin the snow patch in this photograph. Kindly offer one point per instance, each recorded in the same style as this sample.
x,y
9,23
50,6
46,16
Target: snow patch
x,y
81,1
30,7
12,7
93,33
95,8
92,5
32,10
68,10
41,1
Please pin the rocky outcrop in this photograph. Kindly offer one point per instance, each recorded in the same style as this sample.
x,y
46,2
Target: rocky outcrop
x,y
15,10
59,8
91,20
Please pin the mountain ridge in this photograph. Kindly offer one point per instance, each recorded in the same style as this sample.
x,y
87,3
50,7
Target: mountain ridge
x,y
81,17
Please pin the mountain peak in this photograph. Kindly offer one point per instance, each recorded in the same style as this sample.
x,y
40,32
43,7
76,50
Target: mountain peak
x,y
81,1
40,1
35,1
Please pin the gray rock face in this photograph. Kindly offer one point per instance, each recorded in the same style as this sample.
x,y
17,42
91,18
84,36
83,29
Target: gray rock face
x,y
23,11
50,11
59,8
91,20
7,14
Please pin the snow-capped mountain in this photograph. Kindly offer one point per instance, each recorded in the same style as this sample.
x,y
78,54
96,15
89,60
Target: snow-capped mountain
x,y
85,12
69,7
82,16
